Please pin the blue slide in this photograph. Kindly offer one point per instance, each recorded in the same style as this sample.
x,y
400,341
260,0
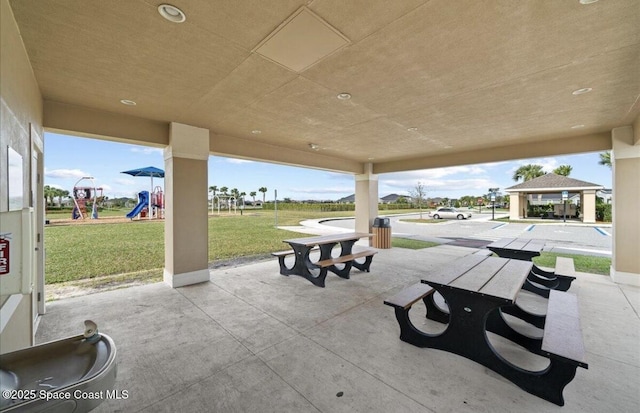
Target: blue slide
x,y
143,201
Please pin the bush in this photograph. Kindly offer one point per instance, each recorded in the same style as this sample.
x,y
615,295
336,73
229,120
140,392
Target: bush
x,y
603,212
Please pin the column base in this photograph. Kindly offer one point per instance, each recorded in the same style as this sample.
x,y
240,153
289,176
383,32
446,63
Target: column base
x,y
187,278
628,278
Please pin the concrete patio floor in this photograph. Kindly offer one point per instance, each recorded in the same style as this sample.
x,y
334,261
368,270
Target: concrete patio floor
x,y
252,340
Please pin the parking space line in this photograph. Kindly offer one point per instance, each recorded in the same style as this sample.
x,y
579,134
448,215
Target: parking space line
x,y
601,231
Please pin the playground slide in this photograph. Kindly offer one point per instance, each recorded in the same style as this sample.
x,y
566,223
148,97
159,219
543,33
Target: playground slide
x,y
143,202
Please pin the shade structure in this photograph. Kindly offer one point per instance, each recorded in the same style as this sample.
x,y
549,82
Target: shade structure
x,y
150,171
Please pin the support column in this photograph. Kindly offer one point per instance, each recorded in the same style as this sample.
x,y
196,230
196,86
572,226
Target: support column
x,y
514,206
588,205
186,234
625,159
366,199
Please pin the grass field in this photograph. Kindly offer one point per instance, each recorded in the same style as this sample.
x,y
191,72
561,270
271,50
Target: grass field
x,y
78,252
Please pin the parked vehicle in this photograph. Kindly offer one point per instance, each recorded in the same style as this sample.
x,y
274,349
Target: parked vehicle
x,y
449,213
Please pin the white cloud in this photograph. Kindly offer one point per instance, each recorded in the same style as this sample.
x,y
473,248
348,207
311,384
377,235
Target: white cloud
x,y
328,190
147,150
106,188
124,181
65,173
548,164
238,161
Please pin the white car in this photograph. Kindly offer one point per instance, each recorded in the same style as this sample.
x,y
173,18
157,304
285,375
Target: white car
x,y
450,213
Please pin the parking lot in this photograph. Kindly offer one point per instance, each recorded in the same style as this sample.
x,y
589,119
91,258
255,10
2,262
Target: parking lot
x,y
570,237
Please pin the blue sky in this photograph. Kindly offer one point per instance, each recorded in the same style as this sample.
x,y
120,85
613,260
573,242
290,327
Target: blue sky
x,y
67,159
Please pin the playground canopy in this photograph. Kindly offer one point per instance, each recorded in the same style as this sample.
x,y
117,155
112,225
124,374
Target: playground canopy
x,y
150,171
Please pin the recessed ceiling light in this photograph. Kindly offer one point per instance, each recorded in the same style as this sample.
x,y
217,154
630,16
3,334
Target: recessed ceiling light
x,y
582,91
371,159
256,131
412,129
314,146
344,96
577,126
128,102
172,13
587,1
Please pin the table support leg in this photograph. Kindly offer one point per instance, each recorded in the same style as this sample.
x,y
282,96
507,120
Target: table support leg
x,y
466,336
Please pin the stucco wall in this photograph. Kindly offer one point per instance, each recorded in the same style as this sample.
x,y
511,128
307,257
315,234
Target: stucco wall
x,y
20,110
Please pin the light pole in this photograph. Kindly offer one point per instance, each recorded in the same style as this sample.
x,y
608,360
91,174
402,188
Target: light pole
x,y
493,191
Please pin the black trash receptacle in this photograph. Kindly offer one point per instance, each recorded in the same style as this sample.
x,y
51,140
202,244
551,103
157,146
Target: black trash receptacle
x,y
381,233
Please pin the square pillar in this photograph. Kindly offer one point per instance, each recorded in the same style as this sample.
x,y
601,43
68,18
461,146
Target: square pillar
x,y
366,199
514,205
186,233
588,205
625,160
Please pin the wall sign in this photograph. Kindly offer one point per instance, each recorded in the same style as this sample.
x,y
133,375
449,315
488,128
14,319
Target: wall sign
x,y
4,253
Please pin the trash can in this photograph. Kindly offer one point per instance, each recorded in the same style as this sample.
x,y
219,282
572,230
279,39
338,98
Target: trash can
x,y
381,233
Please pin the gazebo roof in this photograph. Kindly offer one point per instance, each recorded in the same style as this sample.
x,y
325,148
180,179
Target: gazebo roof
x,y
553,182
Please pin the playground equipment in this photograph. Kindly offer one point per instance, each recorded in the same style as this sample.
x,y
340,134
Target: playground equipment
x,y
82,194
142,208
228,200
74,374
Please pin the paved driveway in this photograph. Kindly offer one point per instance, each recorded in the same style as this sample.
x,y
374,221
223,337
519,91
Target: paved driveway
x,y
570,237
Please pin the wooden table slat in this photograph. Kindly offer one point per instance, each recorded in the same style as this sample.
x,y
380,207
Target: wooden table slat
x,y
534,245
327,239
482,273
501,243
508,281
517,244
446,274
565,333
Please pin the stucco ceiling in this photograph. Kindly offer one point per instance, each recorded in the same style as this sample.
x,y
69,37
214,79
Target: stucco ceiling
x,y
427,78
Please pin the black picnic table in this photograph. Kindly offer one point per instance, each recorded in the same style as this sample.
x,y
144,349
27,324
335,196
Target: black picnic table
x,y
539,280
304,267
477,289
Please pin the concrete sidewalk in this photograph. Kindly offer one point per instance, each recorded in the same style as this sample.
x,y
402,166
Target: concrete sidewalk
x,y
252,340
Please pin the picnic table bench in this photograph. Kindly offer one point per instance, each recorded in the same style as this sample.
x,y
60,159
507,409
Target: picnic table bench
x,y
316,272
539,281
477,291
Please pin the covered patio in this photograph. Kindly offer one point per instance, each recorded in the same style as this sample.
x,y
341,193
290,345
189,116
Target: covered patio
x,y
550,183
254,340
362,88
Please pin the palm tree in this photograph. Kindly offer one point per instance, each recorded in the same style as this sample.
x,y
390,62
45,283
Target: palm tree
x,y
264,193
49,194
605,159
253,194
61,193
563,170
213,189
528,172
224,190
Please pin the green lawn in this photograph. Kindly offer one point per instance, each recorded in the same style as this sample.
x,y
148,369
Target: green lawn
x,y
75,252
413,244
582,263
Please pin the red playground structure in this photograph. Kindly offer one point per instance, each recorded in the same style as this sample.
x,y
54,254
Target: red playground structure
x,y
82,195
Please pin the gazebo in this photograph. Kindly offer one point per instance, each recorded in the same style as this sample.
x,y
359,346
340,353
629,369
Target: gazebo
x,y
554,184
